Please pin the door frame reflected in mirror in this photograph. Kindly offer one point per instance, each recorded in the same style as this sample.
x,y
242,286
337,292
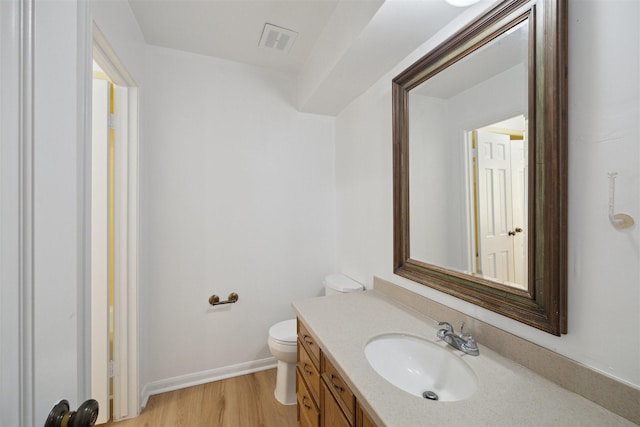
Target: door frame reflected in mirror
x,y
544,304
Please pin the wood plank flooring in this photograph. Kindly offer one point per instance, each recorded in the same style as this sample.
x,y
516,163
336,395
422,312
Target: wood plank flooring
x,y
245,401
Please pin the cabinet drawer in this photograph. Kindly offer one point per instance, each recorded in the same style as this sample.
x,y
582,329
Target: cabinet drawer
x,y
308,413
309,343
309,371
339,389
332,415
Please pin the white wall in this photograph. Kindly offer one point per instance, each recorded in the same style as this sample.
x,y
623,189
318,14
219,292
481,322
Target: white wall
x,y
430,163
604,263
237,195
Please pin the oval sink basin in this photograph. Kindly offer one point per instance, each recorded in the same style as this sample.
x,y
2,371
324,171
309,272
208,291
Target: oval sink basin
x,y
421,367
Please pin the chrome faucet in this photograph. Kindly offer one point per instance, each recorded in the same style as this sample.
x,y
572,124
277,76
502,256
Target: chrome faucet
x,y
463,342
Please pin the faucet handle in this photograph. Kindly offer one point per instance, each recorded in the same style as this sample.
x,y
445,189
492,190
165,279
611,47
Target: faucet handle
x,y
447,329
465,335
447,326
470,346
462,327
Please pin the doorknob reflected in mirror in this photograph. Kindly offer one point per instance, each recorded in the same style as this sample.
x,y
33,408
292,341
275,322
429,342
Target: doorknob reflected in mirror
x,y
513,233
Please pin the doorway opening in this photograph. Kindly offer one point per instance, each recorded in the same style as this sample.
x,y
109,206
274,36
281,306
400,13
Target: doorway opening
x,y
114,160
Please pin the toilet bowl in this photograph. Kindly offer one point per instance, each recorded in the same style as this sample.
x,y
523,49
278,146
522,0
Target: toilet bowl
x,y
282,341
282,344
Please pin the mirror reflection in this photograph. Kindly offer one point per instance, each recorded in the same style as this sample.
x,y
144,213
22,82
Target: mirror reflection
x,y
468,168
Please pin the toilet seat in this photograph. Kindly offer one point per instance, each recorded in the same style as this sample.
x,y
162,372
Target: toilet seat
x,y
284,332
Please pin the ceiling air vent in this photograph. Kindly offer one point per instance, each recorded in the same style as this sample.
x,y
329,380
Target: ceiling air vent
x,y
277,38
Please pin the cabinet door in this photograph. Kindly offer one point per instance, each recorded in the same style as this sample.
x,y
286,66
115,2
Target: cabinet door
x,y
339,388
331,414
308,413
364,420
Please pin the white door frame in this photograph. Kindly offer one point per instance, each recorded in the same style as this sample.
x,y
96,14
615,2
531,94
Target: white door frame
x,y
469,191
126,376
99,248
17,391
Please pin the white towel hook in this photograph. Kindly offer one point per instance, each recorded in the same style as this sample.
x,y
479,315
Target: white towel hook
x,y
620,220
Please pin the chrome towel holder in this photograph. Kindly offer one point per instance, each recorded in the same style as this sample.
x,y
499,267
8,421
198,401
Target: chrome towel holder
x,y
231,299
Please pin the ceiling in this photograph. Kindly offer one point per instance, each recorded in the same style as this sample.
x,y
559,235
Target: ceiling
x,y
341,48
509,50
231,29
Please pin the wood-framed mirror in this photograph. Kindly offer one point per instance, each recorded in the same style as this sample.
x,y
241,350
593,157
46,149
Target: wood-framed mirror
x,y
480,164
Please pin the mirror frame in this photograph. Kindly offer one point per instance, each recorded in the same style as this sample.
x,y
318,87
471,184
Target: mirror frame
x,y
544,304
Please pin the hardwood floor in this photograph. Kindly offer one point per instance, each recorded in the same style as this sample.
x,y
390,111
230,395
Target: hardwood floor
x,y
245,401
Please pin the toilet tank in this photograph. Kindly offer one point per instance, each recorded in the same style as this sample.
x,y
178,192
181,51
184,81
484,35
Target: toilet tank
x,y
339,283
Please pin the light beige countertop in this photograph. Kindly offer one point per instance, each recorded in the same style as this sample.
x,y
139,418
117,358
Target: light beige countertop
x,y
508,394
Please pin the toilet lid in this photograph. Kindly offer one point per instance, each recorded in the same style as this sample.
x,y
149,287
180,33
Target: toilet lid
x,y
341,283
284,331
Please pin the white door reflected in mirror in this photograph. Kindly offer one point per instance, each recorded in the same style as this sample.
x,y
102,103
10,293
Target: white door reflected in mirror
x,y
499,203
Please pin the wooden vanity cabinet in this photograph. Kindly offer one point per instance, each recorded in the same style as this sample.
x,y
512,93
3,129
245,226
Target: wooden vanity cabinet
x,y
324,399
363,419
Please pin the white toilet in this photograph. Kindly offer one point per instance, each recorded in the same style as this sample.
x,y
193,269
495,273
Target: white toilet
x,y
283,341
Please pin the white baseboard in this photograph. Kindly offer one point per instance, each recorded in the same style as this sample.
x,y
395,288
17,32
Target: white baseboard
x,y
197,378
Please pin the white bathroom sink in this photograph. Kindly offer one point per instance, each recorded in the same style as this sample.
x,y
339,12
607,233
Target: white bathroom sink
x,y
421,367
